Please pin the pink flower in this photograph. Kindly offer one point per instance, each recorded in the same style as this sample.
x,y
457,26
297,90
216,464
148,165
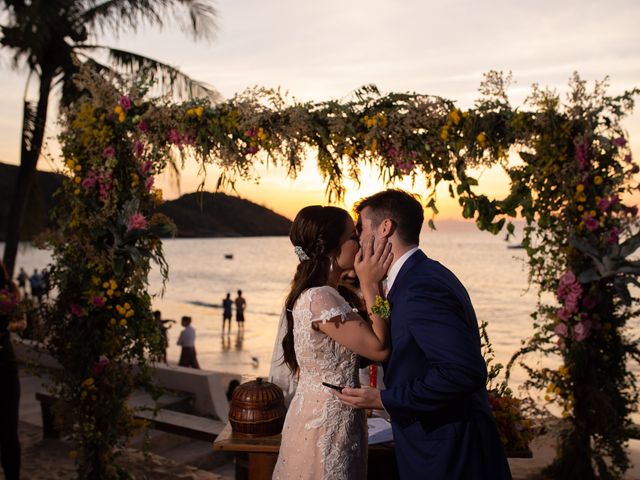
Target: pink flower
x,y
591,223
109,152
569,278
604,204
143,126
174,137
89,181
76,310
582,330
563,314
99,367
148,183
614,236
137,221
615,199
581,154
251,150
138,148
561,330
619,142
98,301
146,166
571,301
627,158
125,102
252,132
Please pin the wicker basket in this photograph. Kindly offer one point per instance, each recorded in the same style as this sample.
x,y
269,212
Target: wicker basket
x,y
257,409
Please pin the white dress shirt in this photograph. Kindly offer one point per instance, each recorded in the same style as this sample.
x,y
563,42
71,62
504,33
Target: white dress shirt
x,y
395,269
187,337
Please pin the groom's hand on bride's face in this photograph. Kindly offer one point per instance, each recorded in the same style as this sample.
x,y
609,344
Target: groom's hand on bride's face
x,y
365,397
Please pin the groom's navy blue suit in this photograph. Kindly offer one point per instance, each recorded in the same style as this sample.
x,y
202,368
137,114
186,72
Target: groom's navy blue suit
x,y
435,379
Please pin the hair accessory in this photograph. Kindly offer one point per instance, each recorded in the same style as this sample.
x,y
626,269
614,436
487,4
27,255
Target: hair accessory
x,y
302,256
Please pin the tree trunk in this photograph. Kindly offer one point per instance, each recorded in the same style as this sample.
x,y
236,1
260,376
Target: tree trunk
x,y
29,155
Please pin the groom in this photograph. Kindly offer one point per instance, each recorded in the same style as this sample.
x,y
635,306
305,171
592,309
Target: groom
x,y
435,377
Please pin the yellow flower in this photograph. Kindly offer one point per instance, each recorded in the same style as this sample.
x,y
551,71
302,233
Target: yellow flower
x,y
88,382
73,454
454,115
105,285
95,280
123,322
118,109
110,292
551,387
581,197
77,168
580,188
157,196
444,134
127,306
580,208
122,117
77,191
70,164
120,310
597,180
261,134
130,314
112,321
482,139
78,180
593,213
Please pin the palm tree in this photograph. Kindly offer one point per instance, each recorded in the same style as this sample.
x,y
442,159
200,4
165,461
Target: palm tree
x,y
52,39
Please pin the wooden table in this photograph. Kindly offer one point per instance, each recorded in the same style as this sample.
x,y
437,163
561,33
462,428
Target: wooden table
x,y
256,457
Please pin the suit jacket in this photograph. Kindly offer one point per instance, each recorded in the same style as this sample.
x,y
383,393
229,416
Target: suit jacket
x,y
435,379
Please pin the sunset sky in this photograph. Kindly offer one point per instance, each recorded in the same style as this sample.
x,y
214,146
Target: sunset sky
x,y
325,50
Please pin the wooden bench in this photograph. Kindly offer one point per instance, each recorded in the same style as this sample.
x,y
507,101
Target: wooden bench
x,y
171,421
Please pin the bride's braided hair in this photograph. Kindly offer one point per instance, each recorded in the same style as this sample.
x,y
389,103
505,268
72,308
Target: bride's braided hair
x,y
317,230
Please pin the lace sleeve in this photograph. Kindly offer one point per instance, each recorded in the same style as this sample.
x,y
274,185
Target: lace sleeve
x,y
327,305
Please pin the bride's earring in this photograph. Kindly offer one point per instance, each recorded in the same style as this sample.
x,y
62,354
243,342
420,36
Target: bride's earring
x,y
331,260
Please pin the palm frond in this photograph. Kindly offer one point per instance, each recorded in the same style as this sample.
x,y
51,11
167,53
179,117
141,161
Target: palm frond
x,y
197,17
29,122
168,79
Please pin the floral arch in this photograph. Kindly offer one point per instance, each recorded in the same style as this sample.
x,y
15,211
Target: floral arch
x,y
569,186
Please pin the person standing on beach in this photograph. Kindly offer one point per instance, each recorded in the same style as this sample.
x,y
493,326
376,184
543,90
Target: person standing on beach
x,y
22,280
163,326
9,378
435,378
187,341
227,303
241,305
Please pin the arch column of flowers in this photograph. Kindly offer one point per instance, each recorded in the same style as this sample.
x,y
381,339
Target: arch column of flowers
x,y
570,186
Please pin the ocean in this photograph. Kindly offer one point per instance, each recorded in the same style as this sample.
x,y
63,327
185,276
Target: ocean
x,y
262,267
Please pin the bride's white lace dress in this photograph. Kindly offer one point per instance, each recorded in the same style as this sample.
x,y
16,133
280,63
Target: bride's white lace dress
x,y
322,438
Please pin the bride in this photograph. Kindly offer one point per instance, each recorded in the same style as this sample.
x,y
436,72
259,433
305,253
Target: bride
x,y
322,438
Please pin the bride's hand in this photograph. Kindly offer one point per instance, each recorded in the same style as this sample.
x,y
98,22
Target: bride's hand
x,y
373,260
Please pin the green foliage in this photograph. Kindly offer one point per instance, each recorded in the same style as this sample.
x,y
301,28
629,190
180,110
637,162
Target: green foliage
x,y
569,186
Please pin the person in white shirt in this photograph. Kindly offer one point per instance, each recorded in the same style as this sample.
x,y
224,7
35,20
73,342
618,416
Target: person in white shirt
x,y
187,340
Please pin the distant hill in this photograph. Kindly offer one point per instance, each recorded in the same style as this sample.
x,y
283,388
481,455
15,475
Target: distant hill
x,y
40,200
196,214
218,215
